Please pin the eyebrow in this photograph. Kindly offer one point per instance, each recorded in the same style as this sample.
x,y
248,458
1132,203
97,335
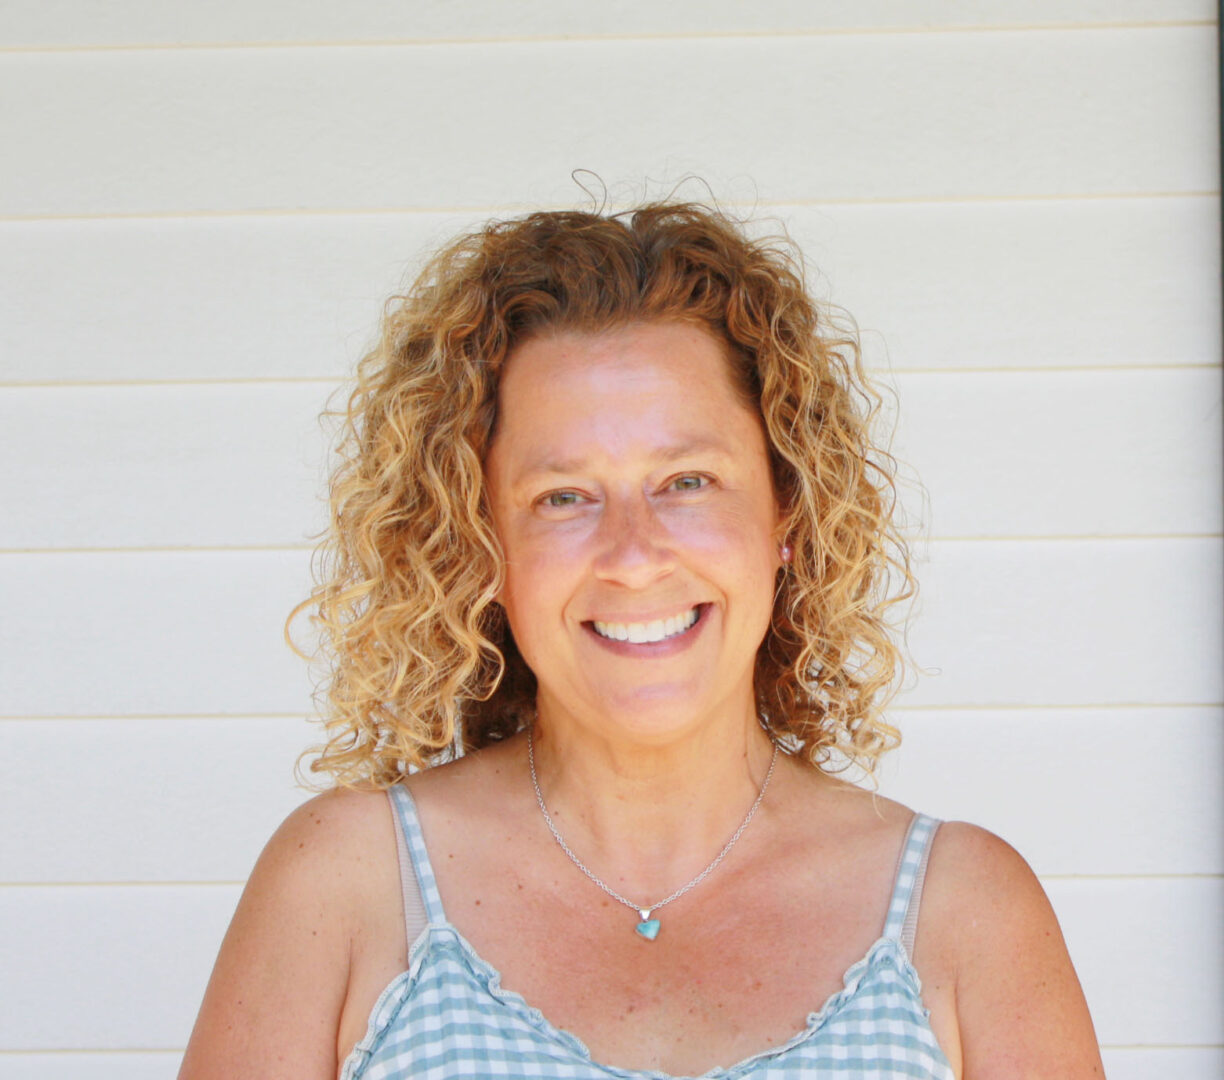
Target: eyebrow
x,y
565,466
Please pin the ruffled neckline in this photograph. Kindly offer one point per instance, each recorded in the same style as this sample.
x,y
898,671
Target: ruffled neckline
x,y
884,950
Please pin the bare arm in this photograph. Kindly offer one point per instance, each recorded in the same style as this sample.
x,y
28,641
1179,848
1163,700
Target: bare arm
x,y
273,1005
1020,1011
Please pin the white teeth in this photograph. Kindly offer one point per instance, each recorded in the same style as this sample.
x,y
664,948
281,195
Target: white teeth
x,y
645,633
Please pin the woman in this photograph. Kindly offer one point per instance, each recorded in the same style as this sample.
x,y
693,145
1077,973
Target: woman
x,y
609,523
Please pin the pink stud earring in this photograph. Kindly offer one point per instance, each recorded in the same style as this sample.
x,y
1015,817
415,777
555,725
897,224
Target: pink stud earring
x,y
785,552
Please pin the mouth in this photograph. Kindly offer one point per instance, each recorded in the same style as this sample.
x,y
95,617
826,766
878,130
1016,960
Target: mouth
x,y
648,633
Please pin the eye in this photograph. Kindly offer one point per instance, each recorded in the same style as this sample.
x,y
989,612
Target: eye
x,y
690,482
558,500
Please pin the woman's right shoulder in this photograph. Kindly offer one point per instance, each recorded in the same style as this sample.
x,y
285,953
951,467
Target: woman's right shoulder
x,y
279,985
328,845
340,826
349,831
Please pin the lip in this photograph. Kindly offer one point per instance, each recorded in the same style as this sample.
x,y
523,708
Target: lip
x,y
654,649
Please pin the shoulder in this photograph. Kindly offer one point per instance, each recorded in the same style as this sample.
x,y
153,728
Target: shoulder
x,y
987,923
279,986
333,843
969,857
980,885
317,875
334,824
983,907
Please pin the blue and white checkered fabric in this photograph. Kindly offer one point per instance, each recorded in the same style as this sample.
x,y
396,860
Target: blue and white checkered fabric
x,y
447,1017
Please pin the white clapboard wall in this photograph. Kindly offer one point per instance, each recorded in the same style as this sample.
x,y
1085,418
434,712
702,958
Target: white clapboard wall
x,y
201,209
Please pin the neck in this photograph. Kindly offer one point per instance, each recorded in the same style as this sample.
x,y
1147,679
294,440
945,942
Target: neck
x,y
646,818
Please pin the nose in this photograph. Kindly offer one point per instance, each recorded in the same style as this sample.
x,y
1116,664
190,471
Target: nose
x,y
635,548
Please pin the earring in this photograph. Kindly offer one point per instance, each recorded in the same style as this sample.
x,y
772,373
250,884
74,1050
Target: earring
x,y
786,552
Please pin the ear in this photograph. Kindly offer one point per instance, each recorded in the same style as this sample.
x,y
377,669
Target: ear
x,y
783,548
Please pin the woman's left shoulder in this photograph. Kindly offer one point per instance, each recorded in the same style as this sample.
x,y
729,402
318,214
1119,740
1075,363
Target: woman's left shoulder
x,y
987,921
982,903
972,866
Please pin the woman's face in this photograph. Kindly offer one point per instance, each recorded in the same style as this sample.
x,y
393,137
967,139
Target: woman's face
x,y
631,491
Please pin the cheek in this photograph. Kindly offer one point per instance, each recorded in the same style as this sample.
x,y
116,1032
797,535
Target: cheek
x,y
538,555
539,579
744,549
737,536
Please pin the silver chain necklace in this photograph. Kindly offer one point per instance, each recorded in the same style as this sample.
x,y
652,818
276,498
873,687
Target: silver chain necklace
x,y
648,927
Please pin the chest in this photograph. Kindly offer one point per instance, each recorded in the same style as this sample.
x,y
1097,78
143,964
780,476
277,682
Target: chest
x,y
737,966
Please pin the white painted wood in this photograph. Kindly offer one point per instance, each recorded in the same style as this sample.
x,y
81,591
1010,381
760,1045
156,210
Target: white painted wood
x,y
1087,453
216,298
161,800
83,1065
1005,622
998,454
80,946
1158,1063
59,23
1138,944
815,118
1039,778
152,633
1147,951
1069,622
1047,283
200,465
1022,284
1075,791
927,175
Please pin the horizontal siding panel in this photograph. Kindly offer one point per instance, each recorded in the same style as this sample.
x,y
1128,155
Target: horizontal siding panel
x,y
1147,1063
149,818
196,465
886,116
1057,283
152,820
33,23
1147,953
1002,623
1069,453
83,1065
1123,935
78,941
1104,809
152,633
1119,452
1074,282
216,298
1069,622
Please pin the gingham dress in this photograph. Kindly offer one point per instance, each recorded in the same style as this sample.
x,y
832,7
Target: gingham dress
x,y
447,1017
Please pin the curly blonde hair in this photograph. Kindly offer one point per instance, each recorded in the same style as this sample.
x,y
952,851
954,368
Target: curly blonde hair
x,y
422,663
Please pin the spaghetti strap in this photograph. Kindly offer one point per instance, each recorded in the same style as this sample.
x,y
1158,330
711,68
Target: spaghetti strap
x,y
416,865
415,919
902,919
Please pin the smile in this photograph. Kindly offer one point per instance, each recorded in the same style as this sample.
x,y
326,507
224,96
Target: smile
x,y
645,633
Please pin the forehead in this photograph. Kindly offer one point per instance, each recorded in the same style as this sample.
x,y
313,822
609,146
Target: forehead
x,y
646,387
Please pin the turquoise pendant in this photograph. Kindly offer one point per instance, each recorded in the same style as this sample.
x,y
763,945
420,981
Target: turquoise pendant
x,y
648,927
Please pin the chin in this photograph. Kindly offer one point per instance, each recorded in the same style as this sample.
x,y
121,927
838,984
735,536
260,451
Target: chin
x,y
655,717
